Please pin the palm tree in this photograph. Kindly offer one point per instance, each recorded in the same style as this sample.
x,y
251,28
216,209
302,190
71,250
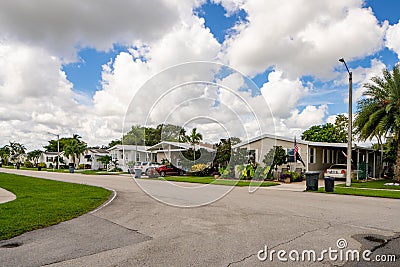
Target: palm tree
x,y
4,154
193,139
16,150
34,155
379,112
74,148
182,135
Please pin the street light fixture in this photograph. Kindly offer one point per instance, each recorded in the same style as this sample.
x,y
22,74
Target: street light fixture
x,y
350,127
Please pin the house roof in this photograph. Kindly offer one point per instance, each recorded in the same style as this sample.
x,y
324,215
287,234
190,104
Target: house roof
x,y
257,138
176,146
96,151
47,153
129,148
288,139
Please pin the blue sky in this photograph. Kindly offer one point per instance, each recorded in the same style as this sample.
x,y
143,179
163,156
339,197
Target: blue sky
x,y
86,73
66,68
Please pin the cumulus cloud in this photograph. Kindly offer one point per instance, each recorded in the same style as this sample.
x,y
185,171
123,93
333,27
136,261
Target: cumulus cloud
x,y
290,38
393,38
282,94
302,37
61,26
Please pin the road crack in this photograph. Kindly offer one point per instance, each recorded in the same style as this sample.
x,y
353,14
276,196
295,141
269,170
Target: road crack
x,y
280,244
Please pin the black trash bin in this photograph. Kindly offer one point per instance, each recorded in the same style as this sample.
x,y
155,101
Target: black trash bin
x,y
71,168
329,184
312,181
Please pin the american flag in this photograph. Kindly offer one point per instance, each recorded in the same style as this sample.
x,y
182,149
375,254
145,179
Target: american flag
x,y
296,149
297,154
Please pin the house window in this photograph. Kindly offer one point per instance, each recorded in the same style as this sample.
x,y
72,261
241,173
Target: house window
x,y
290,154
137,156
327,156
312,155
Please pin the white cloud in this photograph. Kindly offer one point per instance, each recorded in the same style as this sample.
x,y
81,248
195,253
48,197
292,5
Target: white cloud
x,y
302,37
61,26
393,38
291,38
282,94
309,116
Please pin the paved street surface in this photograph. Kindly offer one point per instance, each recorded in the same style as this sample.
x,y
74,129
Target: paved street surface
x,y
137,230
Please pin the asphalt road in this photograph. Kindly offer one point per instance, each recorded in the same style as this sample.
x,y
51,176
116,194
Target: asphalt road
x,y
137,230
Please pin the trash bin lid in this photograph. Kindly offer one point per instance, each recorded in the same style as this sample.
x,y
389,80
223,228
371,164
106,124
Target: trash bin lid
x,y
312,172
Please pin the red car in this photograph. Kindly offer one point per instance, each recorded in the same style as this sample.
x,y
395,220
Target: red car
x,y
168,170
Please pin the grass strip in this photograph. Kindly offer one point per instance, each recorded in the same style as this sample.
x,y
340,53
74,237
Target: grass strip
x,y
41,203
376,184
211,180
363,192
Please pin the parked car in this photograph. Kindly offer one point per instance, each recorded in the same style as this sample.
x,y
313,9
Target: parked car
x,y
338,171
144,166
168,170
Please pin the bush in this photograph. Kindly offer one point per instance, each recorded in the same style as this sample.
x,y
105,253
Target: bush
x,y
225,172
28,164
200,170
41,165
294,176
84,166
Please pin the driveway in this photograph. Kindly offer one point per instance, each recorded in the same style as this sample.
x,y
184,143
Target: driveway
x,y
137,230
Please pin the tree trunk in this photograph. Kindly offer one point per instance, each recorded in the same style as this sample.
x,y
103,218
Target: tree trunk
x,y
397,166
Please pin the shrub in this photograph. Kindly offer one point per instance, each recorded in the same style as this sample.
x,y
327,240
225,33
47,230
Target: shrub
x,y
259,173
225,172
28,164
294,176
41,165
199,170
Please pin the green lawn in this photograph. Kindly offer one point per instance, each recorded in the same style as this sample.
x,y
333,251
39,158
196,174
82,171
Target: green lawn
x,y
367,189
209,180
378,184
41,203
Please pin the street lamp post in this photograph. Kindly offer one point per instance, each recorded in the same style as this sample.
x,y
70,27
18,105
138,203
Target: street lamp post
x,y
350,127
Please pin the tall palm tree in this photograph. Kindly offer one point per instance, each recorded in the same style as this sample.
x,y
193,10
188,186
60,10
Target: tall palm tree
x,y
182,135
74,148
4,154
193,139
34,155
379,112
16,150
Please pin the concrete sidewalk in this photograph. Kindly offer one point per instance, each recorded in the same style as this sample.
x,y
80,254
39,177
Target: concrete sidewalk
x,y
6,196
300,186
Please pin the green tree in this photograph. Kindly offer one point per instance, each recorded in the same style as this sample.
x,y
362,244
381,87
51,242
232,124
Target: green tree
x,y
74,148
105,160
169,132
4,154
193,139
16,150
136,136
276,156
224,150
152,136
52,146
379,111
34,155
114,143
331,133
